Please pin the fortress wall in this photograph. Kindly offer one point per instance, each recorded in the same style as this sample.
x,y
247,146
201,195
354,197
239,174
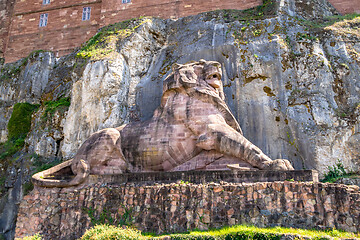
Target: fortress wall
x,y
65,25
57,20
64,213
189,7
60,41
6,12
29,6
115,11
65,31
346,6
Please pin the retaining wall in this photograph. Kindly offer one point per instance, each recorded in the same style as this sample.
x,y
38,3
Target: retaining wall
x,y
65,213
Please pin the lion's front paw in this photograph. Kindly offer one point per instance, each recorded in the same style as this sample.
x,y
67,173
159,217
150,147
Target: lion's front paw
x,y
281,164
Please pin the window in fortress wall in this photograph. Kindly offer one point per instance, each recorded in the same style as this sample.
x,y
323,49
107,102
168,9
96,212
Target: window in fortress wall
x,y
126,1
46,2
43,20
86,13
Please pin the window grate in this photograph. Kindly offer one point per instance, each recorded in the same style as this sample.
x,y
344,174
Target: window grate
x,y
126,1
86,13
46,2
43,20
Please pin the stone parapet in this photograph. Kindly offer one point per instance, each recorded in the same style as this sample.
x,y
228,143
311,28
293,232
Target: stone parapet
x,y
208,176
65,213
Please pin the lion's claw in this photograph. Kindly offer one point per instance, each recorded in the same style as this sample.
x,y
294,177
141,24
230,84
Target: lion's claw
x,y
281,164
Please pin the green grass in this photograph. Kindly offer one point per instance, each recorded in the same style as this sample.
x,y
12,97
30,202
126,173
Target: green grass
x,y
104,42
237,232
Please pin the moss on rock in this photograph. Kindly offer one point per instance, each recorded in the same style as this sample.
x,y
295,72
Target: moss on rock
x,y
104,42
20,120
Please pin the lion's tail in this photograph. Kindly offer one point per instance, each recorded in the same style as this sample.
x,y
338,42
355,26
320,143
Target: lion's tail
x,y
41,179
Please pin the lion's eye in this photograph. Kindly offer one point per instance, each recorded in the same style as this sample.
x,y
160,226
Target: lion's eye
x,y
214,76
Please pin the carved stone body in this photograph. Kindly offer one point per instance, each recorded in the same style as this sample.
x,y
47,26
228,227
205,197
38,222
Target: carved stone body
x,y
193,129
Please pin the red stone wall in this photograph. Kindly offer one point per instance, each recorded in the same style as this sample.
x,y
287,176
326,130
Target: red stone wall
x,y
60,41
64,31
115,11
6,12
346,6
29,6
191,7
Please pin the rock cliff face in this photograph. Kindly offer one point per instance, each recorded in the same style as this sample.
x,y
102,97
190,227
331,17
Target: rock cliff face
x,y
292,84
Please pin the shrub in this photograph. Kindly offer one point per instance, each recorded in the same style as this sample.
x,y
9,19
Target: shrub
x,y
108,232
335,172
35,237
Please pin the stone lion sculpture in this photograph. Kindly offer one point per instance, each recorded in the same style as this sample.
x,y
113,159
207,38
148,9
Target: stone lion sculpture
x,y
192,129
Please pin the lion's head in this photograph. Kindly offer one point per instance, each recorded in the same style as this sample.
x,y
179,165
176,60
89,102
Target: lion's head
x,y
201,80
204,75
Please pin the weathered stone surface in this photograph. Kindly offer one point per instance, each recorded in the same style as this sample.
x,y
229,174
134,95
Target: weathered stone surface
x,y
63,213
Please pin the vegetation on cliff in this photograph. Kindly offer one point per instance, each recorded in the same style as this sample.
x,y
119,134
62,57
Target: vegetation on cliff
x,y
105,41
51,107
18,127
336,172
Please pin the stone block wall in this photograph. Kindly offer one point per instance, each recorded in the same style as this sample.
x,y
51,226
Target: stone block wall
x,y
6,12
65,29
35,6
115,11
64,213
